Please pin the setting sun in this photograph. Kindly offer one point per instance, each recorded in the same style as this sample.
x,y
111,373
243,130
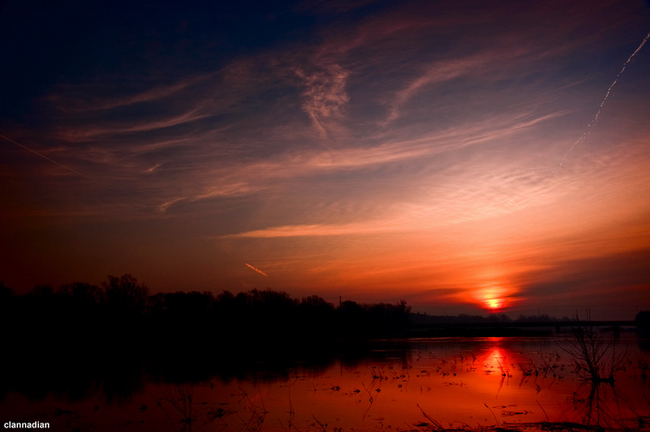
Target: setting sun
x,y
491,296
494,304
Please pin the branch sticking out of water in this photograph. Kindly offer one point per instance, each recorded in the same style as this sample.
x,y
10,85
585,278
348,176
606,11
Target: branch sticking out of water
x,y
540,405
434,424
588,348
495,417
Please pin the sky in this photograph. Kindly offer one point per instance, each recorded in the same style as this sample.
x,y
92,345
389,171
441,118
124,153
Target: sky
x,y
463,156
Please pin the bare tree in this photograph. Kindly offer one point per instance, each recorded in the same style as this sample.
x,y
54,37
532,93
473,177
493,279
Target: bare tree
x,y
594,353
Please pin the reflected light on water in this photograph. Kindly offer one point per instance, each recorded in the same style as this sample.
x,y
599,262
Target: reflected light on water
x,y
495,360
458,382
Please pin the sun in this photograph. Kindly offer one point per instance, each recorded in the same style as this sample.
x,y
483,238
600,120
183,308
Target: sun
x,y
493,303
493,297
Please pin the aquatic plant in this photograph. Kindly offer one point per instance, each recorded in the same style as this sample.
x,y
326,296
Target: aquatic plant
x,y
182,403
589,348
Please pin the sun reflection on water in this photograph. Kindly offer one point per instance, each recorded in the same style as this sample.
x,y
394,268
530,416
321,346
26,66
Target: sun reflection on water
x,y
495,360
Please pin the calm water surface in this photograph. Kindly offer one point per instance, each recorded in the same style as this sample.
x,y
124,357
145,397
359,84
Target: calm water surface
x,y
448,382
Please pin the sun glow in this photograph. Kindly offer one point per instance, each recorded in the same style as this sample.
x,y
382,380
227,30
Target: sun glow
x,y
493,303
494,296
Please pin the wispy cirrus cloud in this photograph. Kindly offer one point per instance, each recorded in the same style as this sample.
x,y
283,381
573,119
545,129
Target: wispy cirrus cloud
x,y
323,93
86,134
101,96
440,72
278,172
316,230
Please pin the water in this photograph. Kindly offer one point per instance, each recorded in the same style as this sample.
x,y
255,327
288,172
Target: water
x,y
420,384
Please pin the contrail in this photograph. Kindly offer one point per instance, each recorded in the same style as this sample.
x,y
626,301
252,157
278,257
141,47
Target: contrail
x,y
602,103
256,269
42,155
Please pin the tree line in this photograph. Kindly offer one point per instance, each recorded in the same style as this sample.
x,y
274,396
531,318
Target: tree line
x,y
122,310
81,336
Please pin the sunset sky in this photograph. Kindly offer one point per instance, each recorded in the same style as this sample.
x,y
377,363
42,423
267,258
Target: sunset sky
x,y
454,154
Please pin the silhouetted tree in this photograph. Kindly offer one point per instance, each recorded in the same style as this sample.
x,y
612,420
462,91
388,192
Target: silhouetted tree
x,y
79,310
123,308
642,319
7,310
6,293
6,299
315,317
41,294
351,319
125,295
40,305
81,294
272,312
181,317
535,318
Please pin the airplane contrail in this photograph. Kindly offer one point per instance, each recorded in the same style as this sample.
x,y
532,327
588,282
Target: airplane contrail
x,y
42,155
256,269
602,103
